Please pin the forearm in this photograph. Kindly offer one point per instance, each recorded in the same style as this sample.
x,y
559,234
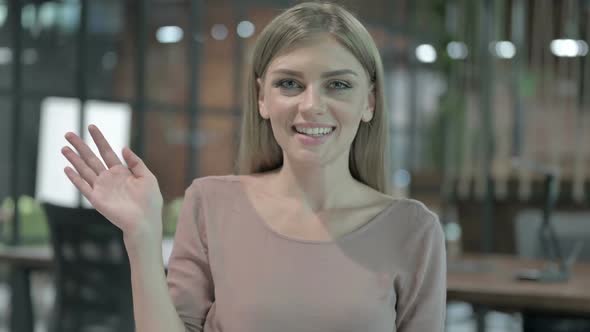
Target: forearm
x,y
152,305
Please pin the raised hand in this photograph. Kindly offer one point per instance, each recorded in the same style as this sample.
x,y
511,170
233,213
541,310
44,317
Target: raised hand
x,y
127,196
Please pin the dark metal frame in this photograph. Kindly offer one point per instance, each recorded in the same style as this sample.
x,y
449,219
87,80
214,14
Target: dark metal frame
x,y
22,316
15,10
17,94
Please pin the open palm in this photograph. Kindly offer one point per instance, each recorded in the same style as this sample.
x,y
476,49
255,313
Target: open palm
x,y
128,196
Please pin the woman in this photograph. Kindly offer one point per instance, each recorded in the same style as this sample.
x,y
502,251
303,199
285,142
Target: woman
x,y
305,239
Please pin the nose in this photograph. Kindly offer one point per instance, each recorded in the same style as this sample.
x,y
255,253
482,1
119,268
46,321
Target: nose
x,y
313,101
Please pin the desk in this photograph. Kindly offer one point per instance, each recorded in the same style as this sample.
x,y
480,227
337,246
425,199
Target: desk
x,y
41,257
488,280
23,260
27,256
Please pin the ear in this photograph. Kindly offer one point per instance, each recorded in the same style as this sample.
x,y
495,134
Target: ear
x,y
261,107
370,107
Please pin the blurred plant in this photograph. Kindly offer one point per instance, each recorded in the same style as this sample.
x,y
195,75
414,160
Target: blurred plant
x,y
170,216
528,83
445,128
446,132
33,221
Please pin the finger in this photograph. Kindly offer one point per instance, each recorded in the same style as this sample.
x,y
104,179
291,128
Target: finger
x,y
135,164
77,180
81,167
107,153
84,151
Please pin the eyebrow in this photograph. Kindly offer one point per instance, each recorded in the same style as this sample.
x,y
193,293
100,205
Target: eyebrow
x,y
324,74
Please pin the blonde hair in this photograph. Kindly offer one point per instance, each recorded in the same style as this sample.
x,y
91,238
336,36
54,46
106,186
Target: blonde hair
x,y
369,153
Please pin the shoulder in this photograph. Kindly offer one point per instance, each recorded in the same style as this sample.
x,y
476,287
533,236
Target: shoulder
x,y
210,184
420,235
418,218
216,180
421,212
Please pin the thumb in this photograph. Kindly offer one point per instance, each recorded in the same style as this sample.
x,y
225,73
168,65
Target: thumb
x,y
135,164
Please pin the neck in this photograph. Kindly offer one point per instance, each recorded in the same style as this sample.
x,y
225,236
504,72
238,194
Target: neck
x,y
317,187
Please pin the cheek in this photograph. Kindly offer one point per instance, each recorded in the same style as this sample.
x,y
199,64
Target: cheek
x,y
281,107
349,113
281,111
350,99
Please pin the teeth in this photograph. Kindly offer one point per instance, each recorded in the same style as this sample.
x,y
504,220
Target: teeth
x,y
314,131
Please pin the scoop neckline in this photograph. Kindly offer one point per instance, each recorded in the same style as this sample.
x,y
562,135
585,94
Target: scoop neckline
x,y
259,220
344,237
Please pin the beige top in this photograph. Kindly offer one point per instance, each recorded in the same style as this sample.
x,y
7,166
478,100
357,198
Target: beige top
x,y
230,271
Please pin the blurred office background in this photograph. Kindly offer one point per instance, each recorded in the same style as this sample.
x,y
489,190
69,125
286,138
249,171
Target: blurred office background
x,y
487,99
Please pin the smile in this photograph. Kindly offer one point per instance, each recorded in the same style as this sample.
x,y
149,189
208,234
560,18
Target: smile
x,y
314,132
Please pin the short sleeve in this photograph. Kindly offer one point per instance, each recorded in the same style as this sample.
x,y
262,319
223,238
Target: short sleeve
x,y
189,275
422,304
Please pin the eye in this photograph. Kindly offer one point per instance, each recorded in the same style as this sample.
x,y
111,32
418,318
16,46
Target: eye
x,y
339,85
287,84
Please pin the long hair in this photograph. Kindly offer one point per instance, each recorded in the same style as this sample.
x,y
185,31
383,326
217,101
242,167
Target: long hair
x,y
369,154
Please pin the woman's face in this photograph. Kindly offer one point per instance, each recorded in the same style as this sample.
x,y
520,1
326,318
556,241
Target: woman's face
x,y
315,95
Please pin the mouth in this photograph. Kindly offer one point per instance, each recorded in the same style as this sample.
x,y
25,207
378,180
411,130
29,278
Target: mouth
x,y
314,132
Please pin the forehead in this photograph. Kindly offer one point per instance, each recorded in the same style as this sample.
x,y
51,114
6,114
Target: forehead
x,y
322,53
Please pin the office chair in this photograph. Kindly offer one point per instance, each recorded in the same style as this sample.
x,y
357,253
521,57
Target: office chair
x,y
93,279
